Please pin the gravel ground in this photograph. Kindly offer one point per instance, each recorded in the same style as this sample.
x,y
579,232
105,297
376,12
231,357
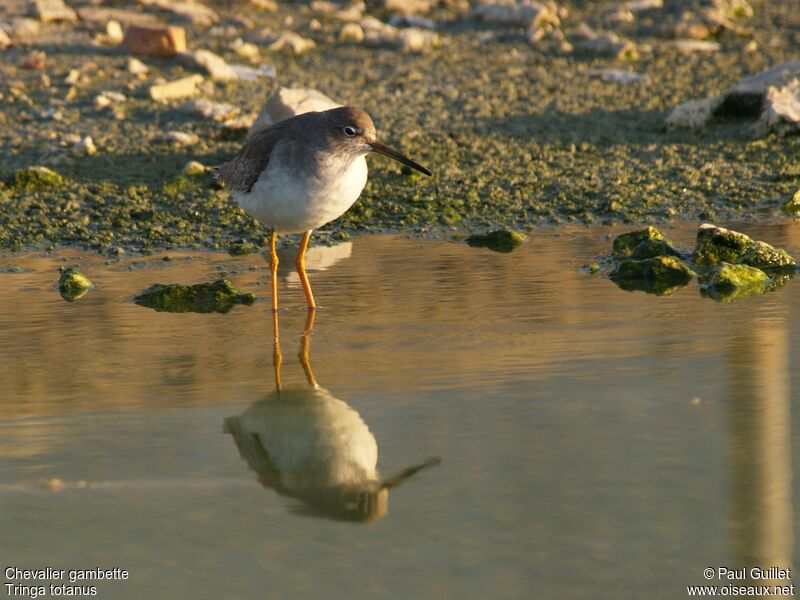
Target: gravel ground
x,y
517,133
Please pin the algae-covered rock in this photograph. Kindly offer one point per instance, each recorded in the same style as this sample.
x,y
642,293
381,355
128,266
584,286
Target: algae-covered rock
x,y
792,205
241,248
728,281
625,244
36,178
73,284
764,256
501,240
652,248
660,275
219,296
716,245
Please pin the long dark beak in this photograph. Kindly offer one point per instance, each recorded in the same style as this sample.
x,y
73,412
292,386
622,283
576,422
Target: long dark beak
x,y
386,151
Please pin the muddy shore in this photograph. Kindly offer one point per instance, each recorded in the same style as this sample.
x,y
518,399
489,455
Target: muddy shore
x,y
516,133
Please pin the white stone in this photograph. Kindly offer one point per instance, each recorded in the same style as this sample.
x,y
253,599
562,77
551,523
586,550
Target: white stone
x,y
210,63
640,5
85,146
245,49
248,73
53,10
291,41
137,67
180,88
180,138
114,32
193,168
289,102
216,111
691,46
412,21
193,12
414,39
407,7
616,75
351,32
522,13
781,109
693,114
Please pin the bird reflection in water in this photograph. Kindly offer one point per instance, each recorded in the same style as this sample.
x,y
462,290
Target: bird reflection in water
x,y
306,444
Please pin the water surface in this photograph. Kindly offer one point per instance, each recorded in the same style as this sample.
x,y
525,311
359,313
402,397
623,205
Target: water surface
x,y
593,442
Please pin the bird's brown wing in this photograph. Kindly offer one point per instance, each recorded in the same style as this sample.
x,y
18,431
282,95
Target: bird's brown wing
x,y
240,174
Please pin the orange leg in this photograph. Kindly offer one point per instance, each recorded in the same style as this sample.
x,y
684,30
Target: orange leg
x,y
277,357
305,346
273,267
300,264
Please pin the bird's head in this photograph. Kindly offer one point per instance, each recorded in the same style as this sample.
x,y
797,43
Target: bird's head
x,y
351,130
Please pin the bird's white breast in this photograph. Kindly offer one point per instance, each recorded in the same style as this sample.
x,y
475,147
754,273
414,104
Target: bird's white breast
x,y
292,198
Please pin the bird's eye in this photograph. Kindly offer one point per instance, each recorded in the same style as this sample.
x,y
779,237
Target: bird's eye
x,y
349,131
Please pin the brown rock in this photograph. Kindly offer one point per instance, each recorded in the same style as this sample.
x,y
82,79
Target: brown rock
x,y
154,41
35,60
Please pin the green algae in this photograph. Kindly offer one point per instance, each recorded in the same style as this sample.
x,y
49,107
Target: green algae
x,y
716,245
217,297
626,243
500,240
731,264
653,248
660,275
763,256
241,248
792,206
36,178
73,284
727,282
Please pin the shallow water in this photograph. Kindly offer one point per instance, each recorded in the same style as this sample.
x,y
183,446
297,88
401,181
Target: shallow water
x,y
593,442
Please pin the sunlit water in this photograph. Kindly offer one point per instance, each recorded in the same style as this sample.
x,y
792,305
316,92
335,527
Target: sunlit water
x,y
593,442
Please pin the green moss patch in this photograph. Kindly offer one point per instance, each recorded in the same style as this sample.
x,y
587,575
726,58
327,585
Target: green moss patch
x,y
653,248
36,178
217,297
660,275
731,264
501,240
73,284
241,248
764,256
727,282
716,245
792,206
625,243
